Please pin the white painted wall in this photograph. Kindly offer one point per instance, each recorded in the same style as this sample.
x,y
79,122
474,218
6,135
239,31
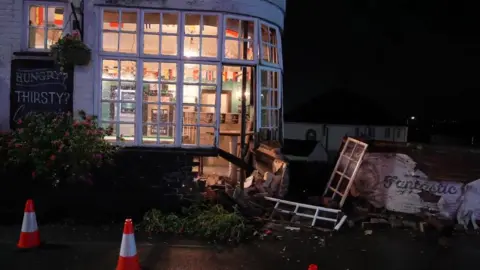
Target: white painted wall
x,y
297,131
11,23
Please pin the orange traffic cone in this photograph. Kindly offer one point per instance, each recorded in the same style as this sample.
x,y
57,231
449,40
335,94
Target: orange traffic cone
x,y
29,236
128,259
312,267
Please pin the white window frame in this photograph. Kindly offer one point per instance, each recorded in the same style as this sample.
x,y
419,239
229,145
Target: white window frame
x,y
255,40
179,34
137,32
216,106
279,46
259,106
100,100
201,36
139,104
26,18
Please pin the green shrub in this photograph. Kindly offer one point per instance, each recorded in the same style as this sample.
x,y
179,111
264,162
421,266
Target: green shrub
x,y
210,222
56,148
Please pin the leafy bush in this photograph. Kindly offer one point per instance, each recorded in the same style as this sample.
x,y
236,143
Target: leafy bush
x,y
56,147
211,222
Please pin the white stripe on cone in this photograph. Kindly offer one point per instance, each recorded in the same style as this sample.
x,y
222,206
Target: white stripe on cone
x,y
29,223
128,248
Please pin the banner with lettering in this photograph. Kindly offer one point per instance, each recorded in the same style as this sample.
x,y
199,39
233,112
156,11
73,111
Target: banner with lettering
x,y
39,86
390,180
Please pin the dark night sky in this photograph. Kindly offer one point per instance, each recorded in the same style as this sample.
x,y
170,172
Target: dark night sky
x,y
406,54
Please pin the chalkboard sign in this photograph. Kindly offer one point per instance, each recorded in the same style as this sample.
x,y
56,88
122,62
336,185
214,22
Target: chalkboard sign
x,y
39,86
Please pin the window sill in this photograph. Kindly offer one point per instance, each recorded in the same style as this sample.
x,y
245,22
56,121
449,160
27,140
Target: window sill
x,y
33,53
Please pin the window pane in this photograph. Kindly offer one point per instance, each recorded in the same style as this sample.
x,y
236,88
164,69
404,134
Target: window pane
x,y
169,72
110,130
151,22
249,50
109,111
149,134
128,43
247,29
53,36
150,113
37,16
110,42
208,97
150,71
111,20
275,99
129,21
167,134
273,36
110,69
209,74
109,90
265,98
190,95
210,25
166,114
265,33
192,24
150,92
127,91
55,17
231,49
168,93
191,47
151,44
128,70
191,73
127,112
169,45
127,131
209,47
36,38
232,28
266,53
264,77
207,136
207,116
170,23
189,135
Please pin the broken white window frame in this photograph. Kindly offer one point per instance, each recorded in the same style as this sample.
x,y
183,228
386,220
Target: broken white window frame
x,y
270,45
337,222
342,174
255,40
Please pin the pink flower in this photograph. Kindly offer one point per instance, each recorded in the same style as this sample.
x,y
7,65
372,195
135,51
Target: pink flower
x,y
67,133
19,121
34,174
53,157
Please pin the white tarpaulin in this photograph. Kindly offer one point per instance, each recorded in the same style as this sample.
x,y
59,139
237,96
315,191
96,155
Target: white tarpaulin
x,y
390,180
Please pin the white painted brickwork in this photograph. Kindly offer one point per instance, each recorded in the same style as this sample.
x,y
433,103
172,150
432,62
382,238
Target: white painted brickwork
x,y
10,41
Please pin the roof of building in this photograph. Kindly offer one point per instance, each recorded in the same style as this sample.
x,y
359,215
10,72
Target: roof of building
x,y
440,163
343,107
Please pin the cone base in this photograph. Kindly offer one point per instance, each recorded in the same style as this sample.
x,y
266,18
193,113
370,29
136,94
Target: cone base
x,y
29,240
128,263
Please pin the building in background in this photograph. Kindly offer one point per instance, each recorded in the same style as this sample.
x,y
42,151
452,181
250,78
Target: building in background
x,y
332,116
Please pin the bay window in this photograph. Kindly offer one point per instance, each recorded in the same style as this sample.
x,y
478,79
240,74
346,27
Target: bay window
x,y
45,24
163,82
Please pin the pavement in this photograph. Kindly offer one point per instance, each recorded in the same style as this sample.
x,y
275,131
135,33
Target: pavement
x,y
70,247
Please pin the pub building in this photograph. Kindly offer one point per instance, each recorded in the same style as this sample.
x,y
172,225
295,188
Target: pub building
x,y
201,78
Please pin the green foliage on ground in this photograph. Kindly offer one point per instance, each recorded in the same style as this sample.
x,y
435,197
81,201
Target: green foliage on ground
x,y
210,222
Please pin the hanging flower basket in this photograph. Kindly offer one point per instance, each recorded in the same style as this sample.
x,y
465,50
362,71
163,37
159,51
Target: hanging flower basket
x,y
70,51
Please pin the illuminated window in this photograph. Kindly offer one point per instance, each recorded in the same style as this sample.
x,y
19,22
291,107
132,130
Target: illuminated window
x,y
119,31
159,106
270,48
199,111
239,39
269,97
118,100
160,33
45,25
201,36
